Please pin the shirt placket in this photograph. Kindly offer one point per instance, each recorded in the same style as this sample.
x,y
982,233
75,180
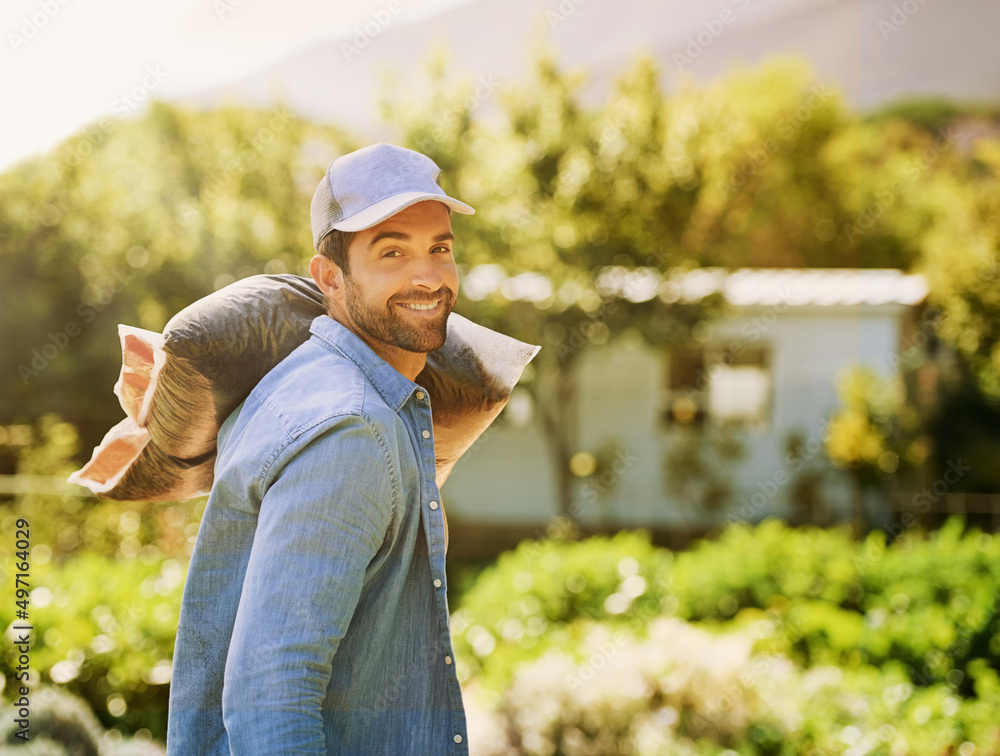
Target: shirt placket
x,y
433,517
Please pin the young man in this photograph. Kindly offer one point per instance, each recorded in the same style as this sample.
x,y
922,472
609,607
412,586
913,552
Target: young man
x,y
314,618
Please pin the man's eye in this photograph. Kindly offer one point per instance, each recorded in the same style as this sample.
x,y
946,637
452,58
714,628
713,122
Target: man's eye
x,y
446,250
392,253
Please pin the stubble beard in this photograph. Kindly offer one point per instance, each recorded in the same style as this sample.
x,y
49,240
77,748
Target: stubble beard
x,y
387,324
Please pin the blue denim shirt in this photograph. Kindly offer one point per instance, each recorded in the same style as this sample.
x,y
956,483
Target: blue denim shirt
x,y
315,616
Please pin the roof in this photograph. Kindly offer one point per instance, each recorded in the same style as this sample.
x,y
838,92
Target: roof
x,y
742,287
798,287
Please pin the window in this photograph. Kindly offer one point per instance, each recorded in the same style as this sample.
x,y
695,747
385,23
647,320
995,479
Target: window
x,y
686,399
718,385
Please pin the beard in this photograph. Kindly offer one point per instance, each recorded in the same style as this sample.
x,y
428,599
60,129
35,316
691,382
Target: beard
x,y
388,323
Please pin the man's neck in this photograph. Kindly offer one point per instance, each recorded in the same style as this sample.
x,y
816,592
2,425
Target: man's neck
x,y
406,363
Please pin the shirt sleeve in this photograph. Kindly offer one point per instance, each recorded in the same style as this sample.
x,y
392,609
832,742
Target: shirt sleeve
x,y
321,522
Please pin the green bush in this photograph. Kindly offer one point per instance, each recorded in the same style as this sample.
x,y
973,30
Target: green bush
x,y
921,613
625,580
935,603
517,608
931,602
105,582
63,725
755,566
104,629
68,520
684,690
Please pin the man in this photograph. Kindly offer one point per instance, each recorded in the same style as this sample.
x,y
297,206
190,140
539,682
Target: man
x,y
314,618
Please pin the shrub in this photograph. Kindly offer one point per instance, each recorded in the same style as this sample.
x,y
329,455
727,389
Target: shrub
x,y
68,520
930,602
919,617
518,607
104,629
64,725
683,690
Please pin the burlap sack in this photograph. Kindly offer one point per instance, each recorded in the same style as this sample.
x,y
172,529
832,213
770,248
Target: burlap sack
x,y
178,387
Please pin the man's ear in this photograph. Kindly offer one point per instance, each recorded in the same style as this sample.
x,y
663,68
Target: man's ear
x,y
327,275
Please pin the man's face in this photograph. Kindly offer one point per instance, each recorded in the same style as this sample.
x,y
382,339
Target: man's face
x,y
403,280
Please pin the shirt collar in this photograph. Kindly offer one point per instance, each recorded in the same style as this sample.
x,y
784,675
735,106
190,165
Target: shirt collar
x,y
394,387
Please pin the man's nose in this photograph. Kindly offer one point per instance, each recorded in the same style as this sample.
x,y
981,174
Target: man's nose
x,y
426,273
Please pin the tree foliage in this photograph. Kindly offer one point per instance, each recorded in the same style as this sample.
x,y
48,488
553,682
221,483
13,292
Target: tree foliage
x,y
761,168
130,223
583,212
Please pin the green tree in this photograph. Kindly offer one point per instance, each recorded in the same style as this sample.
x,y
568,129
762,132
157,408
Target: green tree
x,y
875,434
961,258
589,212
129,222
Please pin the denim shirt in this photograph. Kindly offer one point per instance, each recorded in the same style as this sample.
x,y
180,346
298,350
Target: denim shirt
x,y
315,616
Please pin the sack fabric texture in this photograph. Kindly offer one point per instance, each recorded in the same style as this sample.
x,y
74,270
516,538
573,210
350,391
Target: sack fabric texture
x,y
178,387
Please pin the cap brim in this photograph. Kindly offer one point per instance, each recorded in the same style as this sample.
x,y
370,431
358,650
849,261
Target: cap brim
x,y
384,209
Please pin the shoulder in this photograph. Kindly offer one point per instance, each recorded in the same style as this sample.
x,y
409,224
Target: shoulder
x,y
314,411
306,446
315,388
317,398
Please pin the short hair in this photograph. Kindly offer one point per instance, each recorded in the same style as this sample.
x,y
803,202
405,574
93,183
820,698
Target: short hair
x,y
334,246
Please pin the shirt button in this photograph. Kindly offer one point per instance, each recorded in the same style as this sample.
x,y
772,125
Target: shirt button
x,y
447,660
458,738
433,505
437,583
420,395
425,434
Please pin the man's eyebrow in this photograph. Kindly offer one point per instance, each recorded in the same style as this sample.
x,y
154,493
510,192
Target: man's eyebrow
x,y
397,235
400,236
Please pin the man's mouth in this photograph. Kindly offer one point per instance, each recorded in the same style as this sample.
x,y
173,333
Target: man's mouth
x,y
424,306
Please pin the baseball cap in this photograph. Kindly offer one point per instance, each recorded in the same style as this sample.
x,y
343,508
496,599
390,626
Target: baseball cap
x,y
363,188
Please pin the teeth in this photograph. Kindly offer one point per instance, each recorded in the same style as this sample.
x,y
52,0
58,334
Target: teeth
x,y
421,306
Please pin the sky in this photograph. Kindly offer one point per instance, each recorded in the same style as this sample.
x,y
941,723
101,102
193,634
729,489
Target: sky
x,y
67,63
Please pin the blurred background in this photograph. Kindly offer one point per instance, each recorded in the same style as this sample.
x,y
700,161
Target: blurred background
x,y
744,501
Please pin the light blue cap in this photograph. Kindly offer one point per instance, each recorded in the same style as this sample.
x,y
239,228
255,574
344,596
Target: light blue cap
x,y
363,188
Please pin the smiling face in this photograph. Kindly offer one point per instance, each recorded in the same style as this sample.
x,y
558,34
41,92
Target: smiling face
x,y
401,285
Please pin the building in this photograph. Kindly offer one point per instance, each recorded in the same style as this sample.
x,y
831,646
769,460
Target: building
x,y
728,426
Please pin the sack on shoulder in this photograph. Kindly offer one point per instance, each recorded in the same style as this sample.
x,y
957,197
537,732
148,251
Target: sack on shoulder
x,y
178,387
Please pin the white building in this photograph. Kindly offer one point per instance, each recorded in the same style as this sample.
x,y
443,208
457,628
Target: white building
x,y
756,376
